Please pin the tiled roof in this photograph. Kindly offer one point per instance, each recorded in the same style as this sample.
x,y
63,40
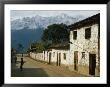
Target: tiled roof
x,y
61,46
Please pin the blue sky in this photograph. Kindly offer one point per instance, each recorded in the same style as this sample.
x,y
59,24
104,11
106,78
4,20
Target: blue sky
x,y
15,14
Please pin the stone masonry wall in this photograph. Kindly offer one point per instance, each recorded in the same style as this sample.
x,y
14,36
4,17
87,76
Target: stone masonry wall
x,y
84,45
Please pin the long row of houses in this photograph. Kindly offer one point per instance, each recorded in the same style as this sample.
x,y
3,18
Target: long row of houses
x,y
82,52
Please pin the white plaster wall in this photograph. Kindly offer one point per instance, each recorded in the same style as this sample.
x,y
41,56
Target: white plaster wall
x,y
37,56
46,56
63,61
54,53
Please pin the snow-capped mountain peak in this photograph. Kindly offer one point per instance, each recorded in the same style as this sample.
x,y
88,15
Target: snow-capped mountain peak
x,y
37,21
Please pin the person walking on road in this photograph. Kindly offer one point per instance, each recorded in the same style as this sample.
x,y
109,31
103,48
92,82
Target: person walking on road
x,y
21,65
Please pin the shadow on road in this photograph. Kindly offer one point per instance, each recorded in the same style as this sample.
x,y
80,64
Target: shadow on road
x,y
17,62
29,72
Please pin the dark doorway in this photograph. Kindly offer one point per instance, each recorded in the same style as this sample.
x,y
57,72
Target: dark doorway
x,y
59,58
49,58
76,60
92,64
44,55
58,63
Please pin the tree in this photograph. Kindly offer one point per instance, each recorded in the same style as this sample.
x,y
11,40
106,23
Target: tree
x,y
37,47
56,33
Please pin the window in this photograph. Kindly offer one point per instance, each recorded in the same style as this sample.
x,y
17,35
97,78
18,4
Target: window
x,y
74,35
53,54
87,33
83,55
64,55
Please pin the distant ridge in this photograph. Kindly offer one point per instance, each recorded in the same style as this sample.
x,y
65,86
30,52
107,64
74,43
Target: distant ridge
x,y
37,21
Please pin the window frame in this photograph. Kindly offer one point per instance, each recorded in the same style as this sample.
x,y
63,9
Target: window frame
x,y
75,35
88,33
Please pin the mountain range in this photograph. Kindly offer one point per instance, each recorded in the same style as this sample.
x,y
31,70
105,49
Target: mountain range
x,y
42,22
29,29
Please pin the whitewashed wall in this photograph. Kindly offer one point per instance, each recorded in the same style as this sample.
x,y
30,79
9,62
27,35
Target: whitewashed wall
x,y
63,61
46,56
36,56
54,53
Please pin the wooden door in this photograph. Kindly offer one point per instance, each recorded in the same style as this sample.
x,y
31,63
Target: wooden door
x,y
92,64
59,59
49,58
76,60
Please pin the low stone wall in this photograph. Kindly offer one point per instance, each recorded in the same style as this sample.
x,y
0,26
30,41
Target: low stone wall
x,y
37,56
20,55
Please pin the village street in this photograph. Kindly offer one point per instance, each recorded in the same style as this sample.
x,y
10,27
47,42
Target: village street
x,y
32,68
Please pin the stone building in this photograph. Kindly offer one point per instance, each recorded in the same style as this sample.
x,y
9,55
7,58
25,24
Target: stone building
x,y
85,46
82,52
57,55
